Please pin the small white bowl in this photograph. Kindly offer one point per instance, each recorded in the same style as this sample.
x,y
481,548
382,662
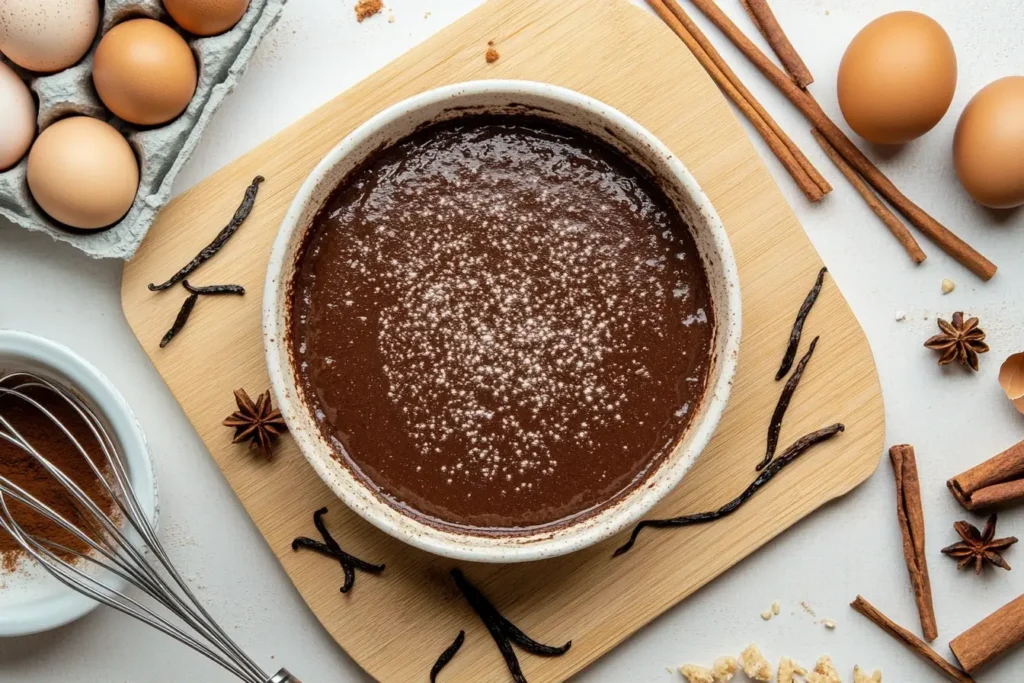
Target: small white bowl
x,y
567,107
31,600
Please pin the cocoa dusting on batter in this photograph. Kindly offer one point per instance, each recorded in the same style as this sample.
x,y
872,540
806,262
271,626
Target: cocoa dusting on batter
x,y
501,323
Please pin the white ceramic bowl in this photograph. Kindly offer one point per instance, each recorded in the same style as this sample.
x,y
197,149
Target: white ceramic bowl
x,y
570,108
31,600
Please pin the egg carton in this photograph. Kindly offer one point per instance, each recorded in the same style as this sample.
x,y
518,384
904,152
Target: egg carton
x,y
161,151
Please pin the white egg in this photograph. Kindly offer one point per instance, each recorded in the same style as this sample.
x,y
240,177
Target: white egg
x,y
17,117
47,35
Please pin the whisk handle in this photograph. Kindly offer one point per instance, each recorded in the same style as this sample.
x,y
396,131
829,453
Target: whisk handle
x,y
283,676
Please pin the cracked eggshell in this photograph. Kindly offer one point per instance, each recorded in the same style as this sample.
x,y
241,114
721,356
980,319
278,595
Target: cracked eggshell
x,y
1011,379
47,35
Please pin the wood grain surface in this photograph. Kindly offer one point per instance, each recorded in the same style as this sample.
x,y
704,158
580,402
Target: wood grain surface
x,y
395,625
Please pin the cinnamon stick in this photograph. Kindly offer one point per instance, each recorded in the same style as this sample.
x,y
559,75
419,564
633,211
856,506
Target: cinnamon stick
x,y
809,107
807,177
895,225
991,638
911,518
912,642
765,21
997,481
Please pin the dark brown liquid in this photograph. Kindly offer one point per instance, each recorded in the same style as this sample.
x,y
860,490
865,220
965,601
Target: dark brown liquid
x,y
501,323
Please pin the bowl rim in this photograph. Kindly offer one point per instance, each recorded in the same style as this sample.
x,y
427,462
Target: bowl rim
x,y
548,542
76,373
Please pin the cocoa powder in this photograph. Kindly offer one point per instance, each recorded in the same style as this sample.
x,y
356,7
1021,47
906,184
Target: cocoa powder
x,y
22,469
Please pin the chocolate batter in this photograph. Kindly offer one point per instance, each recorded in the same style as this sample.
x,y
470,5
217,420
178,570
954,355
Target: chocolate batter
x,y
501,323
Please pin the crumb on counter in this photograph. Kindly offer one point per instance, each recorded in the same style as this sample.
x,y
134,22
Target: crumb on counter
x,y
755,666
789,669
863,677
696,674
491,55
830,624
767,615
948,285
900,316
824,672
776,607
724,669
367,8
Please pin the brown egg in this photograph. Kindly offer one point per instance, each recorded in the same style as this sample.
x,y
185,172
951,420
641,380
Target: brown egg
x,y
82,172
47,35
144,72
988,148
897,78
206,17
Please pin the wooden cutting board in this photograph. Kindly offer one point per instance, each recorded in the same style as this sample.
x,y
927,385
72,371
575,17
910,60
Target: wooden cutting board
x,y
395,625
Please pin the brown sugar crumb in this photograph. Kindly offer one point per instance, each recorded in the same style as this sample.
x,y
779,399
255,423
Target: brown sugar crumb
x,y
696,674
824,672
492,55
367,8
863,676
789,670
755,666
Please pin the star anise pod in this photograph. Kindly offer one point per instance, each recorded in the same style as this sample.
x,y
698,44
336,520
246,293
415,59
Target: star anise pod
x,y
960,340
979,546
256,422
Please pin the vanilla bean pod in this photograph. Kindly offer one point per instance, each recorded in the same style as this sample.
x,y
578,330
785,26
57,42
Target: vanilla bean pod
x,y
330,548
775,425
447,656
798,325
767,474
208,252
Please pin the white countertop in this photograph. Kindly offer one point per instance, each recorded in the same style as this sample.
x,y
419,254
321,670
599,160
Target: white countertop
x,y
852,546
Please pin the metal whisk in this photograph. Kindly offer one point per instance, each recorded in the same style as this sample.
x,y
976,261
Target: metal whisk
x,y
122,545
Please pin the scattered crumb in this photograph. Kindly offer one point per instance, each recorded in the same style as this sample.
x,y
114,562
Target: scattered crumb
x,y
492,55
696,674
948,286
668,669
776,607
900,316
767,615
724,669
788,669
426,15
807,608
829,624
824,672
862,677
367,8
391,18
490,42
755,665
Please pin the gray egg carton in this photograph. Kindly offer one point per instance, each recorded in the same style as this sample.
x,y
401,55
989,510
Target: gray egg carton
x,y
161,151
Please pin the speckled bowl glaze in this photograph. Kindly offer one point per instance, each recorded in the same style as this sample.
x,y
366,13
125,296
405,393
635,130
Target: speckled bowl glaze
x,y
566,107
32,601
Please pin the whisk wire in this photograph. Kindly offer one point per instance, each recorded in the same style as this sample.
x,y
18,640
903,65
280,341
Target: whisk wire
x,y
108,547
